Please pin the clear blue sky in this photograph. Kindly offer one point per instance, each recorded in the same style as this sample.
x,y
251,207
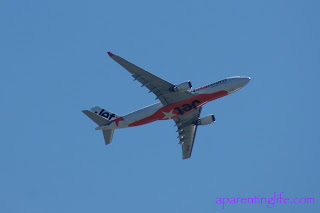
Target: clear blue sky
x,y
54,64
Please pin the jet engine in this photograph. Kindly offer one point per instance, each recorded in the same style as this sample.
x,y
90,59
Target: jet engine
x,y
181,87
206,120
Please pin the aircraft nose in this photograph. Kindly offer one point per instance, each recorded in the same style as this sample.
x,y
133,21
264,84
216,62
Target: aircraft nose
x,y
238,82
242,81
246,80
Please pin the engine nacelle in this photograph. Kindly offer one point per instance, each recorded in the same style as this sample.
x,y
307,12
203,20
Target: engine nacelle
x,y
207,120
181,87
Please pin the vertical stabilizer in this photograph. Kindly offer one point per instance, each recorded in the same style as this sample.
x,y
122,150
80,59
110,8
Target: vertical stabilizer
x,y
101,121
104,113
102,117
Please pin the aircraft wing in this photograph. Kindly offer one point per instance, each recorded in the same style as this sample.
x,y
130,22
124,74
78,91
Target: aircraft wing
x,y
155,84
187,128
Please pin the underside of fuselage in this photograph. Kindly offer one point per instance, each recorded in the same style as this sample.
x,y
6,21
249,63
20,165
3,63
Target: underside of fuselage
x,y
180,108
157,111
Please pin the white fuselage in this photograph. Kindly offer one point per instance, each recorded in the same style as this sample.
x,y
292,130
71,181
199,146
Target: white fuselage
x,y
201,96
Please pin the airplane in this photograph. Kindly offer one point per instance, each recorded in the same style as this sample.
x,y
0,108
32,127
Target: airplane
x,y
178,102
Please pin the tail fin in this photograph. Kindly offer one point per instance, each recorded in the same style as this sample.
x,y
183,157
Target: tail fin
x,y
104,113
101,121
102,117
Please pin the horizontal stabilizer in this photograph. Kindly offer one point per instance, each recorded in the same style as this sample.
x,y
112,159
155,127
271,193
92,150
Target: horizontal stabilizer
x,y
107,134
101,121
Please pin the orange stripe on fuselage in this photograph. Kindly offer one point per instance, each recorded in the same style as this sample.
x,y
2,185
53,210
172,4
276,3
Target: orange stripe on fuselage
x,y
180,108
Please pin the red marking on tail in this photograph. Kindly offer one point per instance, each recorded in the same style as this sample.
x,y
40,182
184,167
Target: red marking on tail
x,y
117,120
110,54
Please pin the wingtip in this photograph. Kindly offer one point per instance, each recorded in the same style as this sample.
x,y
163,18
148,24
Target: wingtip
x,y
110,54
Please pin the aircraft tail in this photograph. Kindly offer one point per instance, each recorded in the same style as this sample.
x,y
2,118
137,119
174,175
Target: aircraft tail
x,y
101,121
104,113
102,117
108,134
